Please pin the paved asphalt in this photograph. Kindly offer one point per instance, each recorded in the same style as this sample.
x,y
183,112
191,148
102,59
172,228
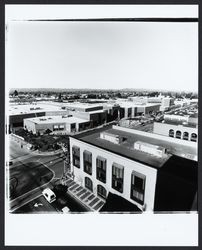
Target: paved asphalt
x,y
41,205
25,173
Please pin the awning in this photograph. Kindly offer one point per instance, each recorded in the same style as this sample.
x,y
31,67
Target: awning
x,y
116,203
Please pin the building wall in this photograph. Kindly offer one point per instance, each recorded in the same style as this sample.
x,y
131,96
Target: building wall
x,y
176,118
81,115
58,113
149,109
41,128
135,111
98,118
163,129
129,167
17,120
29,125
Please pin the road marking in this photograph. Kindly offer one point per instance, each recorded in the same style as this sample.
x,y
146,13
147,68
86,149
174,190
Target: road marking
x,y
25,203
38,186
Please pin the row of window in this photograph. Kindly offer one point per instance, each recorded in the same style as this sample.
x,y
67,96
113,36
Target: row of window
x,y
137,179
184,136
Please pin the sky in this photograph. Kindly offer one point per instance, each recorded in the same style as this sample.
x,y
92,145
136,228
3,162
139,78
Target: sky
x,y
101,55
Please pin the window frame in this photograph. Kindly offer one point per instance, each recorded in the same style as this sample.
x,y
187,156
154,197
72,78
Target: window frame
x,y
116,181
101,169
78,157
87,165
136,189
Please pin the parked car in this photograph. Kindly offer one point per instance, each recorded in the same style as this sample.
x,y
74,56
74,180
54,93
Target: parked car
x,y
49,195
65,210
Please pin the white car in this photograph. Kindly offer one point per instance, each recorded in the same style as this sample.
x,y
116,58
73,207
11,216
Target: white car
x,y
49,195
65,210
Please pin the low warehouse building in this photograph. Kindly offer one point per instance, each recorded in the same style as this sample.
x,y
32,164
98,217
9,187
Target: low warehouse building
x,y
62,124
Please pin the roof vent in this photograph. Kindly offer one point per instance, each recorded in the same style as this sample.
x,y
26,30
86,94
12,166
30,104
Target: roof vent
x,y
116,139
150,148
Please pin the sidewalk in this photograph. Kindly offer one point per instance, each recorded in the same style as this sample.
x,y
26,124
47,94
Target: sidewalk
x,y
83,195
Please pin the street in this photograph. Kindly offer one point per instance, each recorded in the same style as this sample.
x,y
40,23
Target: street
x,y
30,174
40,205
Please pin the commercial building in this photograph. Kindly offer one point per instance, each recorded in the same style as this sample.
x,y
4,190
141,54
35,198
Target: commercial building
x,y
89,112
17,113
142,169
130,109
184,132
56,124
180,124
164,102
82,107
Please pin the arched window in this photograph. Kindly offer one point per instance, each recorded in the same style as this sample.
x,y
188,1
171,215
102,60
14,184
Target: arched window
x,y
171,133
178,134
194,137
185,136
88,183
101,191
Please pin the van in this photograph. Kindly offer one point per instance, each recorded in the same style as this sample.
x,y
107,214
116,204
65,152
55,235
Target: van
x,y
49,195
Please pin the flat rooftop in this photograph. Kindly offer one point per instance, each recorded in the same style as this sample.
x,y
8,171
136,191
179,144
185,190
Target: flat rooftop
x,y
82,105
56,119
126,148
138,104
19,109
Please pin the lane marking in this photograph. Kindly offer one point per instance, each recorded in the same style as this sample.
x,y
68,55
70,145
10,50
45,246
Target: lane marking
x,y
25,203
36,187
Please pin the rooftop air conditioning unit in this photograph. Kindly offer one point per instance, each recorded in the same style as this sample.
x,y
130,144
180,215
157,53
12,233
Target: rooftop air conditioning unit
x,y
116,139
150,148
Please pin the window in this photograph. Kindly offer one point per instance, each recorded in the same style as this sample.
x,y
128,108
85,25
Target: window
x,y
55,127
76,156
101,169
101,191
129,112
185,136
87,162
193,137
61,127
171,133
137,187
88,184
73,127
178,134
117,177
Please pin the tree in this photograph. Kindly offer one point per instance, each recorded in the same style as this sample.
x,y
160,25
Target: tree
x,y
15,93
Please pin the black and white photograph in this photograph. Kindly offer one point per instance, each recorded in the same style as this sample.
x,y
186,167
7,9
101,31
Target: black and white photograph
x,y
102,118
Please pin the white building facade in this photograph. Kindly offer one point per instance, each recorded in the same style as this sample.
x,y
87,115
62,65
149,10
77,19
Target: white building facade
x,y
98,169
176,131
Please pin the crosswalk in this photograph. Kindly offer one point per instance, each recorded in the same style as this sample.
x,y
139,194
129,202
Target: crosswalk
x,y
85,196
